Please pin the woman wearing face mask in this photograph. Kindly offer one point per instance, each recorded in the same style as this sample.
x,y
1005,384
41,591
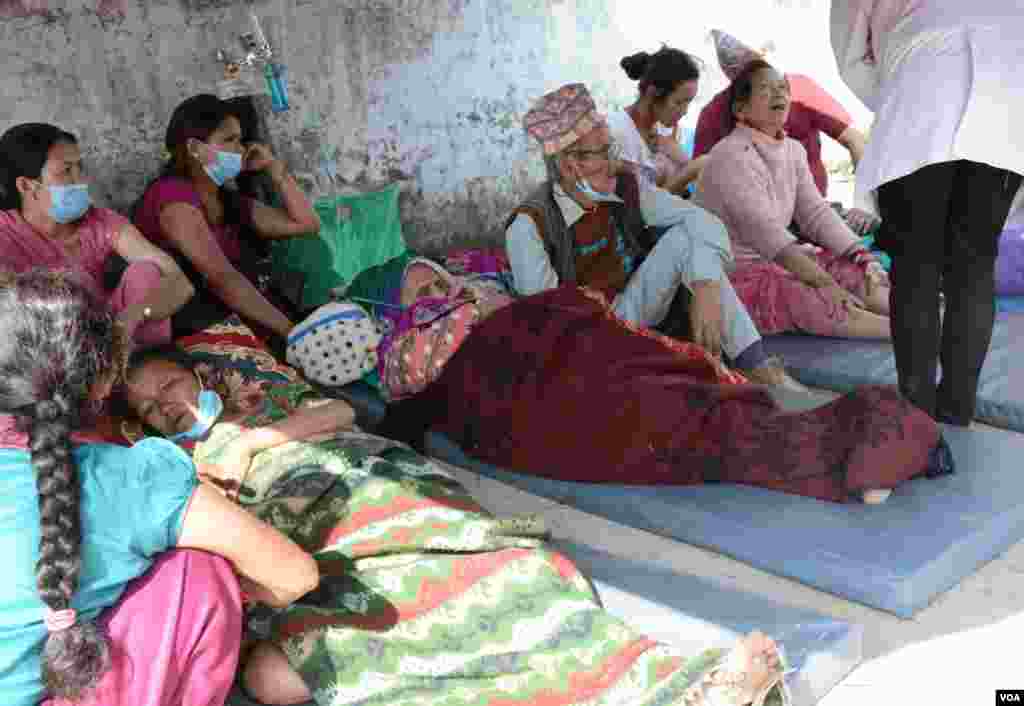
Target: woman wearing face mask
x,y
48,222
183,402
188,211
757,181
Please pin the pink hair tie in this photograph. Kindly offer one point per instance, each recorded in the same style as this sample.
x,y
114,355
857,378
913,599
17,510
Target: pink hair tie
x,y
57,620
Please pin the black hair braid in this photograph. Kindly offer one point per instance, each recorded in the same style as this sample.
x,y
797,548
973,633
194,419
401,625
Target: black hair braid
x,y
57,342
73,659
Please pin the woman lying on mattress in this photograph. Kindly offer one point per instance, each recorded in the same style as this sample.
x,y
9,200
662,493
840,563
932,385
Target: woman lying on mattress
x,y
556,385
424,596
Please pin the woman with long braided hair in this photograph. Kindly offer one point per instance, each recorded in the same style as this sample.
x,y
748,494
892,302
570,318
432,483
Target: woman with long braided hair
x,y
101,608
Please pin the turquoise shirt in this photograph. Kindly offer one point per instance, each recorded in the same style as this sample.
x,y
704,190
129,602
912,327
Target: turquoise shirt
x,y
132,507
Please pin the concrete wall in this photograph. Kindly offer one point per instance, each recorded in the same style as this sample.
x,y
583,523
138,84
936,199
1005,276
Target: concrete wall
x,y
429,91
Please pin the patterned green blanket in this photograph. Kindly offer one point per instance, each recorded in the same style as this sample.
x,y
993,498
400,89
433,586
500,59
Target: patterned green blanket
x,y
427,599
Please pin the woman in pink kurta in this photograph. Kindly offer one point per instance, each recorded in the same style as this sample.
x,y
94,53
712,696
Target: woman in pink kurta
x,y
189,211
757,181
47,221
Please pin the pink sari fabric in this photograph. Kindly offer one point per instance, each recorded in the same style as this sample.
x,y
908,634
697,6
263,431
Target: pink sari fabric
x,y
779,302
22,248
175,636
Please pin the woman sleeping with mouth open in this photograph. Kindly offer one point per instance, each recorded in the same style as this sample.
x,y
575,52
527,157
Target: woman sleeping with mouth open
x,y
424,596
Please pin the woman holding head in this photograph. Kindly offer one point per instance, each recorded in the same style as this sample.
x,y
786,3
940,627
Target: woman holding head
x,y
101,605
48,220
190,212
757,181
643,131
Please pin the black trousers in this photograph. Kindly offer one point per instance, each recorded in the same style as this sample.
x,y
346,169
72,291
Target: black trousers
x,y
941,226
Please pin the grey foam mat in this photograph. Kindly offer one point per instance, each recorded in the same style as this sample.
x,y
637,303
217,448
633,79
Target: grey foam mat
x,y
843,364
896,557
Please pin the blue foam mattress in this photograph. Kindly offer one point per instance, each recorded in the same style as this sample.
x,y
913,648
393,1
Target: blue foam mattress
x,y
896,557
843,364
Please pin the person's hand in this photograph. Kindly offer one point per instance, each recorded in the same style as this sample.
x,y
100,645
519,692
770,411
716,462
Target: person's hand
x,y
258,157
860,221
227,468
875,276
487,305
671,148
838,297
706,316
127,325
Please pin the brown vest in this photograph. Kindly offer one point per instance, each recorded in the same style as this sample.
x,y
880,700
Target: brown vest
x,y
561,242
599,264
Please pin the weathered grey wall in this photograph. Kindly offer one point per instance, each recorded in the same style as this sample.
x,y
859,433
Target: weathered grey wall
x,y
430,91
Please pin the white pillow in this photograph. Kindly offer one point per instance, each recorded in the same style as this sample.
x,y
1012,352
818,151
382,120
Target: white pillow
x,y
335,345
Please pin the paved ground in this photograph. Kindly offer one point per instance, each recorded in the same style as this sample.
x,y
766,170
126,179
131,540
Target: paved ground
x,y
956,652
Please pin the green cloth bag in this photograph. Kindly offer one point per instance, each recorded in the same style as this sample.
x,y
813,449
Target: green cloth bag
x,y
366,232
379,283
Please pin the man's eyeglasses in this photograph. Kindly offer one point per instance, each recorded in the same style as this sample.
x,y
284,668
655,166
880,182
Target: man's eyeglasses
x,y
603,154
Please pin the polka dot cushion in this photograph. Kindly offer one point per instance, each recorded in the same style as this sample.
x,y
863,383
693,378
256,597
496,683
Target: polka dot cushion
x,y
335,345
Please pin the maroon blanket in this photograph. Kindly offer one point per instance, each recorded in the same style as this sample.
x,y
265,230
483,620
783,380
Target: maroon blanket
x,y
556,386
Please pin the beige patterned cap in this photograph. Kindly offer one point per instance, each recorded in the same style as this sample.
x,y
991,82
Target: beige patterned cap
x,y
733,54
560,118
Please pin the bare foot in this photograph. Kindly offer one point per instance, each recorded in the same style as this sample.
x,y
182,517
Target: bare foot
x,y
773,375
758,657
876,496
745,676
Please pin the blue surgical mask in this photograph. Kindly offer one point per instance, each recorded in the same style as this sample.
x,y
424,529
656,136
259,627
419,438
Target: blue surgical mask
x,y
583,186
69,202
210,408
226,165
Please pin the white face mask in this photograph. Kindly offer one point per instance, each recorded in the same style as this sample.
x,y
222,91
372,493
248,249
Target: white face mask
x,y
583,186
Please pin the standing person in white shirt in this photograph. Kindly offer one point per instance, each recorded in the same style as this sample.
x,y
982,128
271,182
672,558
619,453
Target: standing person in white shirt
x,y
942,166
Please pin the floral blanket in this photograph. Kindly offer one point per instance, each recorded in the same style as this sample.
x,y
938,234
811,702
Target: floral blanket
x,y
426,598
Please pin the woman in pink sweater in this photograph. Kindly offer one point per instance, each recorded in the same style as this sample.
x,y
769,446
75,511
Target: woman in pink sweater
x,y
757,181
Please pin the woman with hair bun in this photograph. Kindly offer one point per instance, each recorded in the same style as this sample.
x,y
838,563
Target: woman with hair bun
x,y
104,603
668,84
